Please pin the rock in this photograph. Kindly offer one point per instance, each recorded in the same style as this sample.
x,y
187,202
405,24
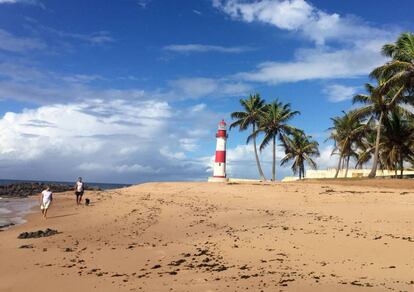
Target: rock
x,y
6,225
37,234
25,189
177,263
118,275
26,246
156,267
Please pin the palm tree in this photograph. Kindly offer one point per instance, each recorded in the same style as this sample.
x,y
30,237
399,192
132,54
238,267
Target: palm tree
x,y
346,131
365,147
300,148
398,142
274,123
378,105
400,70
253,110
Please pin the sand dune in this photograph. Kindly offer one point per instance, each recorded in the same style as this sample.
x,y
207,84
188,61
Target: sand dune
x,y
304,236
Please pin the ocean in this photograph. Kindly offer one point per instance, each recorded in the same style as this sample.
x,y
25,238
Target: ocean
x,y
13,210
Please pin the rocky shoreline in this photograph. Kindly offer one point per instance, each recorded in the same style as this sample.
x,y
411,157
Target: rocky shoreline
x,y
23,190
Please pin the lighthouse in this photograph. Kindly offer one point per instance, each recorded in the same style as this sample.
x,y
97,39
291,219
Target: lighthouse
x,y
219,173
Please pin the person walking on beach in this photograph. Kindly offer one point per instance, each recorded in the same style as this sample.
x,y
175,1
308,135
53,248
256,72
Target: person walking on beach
x,y
45,201
79,187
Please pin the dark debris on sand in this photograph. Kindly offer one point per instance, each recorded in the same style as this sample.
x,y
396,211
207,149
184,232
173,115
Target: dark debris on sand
x,y
37,234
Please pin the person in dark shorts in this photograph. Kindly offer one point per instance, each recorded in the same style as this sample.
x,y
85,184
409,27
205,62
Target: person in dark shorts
x,y
79,187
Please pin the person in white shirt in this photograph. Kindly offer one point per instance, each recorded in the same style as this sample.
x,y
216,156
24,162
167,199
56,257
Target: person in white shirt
x,y
79,187
46,198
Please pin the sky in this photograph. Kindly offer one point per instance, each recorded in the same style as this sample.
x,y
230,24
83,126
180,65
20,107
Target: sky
x,y
132,91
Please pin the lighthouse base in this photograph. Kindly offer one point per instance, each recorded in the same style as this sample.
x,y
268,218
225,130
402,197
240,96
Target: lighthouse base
x,y
217,179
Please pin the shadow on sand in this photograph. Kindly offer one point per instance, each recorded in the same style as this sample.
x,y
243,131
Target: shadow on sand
x,y
59,216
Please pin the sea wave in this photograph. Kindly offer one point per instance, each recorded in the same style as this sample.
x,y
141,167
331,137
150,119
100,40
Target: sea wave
x,y
12,211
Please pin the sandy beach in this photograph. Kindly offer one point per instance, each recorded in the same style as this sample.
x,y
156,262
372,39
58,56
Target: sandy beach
x,y
302,236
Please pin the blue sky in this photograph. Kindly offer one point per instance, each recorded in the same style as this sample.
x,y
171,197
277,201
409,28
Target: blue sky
x,y
132,91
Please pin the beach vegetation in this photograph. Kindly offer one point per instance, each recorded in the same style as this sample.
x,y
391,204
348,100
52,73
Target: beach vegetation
x,y
253,108
300,148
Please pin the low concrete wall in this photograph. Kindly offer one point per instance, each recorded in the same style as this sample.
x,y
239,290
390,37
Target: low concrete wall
x,y
233,180
330,173
243,180
217,179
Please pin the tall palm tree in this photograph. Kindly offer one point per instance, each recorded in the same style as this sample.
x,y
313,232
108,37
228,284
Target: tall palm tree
x,y
274,123
345,132
378,105
300,148
253,107
398,143
400,70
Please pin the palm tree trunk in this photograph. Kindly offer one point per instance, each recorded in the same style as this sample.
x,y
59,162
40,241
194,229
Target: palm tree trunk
x,y
339,166
401,165
347,166
373,172
259,167
274,159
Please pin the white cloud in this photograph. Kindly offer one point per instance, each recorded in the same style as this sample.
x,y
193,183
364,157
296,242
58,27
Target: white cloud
x,y
78,127
104,140
90,166
198,132
283,14
199,48
326,160
198,107
338,92
128,150
29,2
95,38
19,73
314,64
12,43
83,78
121,169
189,144
23,82
193,88
301,16
134,168
143,3
20,44
344,46
166,152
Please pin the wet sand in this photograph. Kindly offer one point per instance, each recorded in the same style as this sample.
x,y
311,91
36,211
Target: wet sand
x,y
13,210
302,236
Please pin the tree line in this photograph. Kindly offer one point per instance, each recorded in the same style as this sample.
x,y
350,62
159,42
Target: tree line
x,y
379,130
272,120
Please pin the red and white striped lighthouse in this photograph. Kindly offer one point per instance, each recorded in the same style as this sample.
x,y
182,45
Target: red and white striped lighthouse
x,y
220,161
